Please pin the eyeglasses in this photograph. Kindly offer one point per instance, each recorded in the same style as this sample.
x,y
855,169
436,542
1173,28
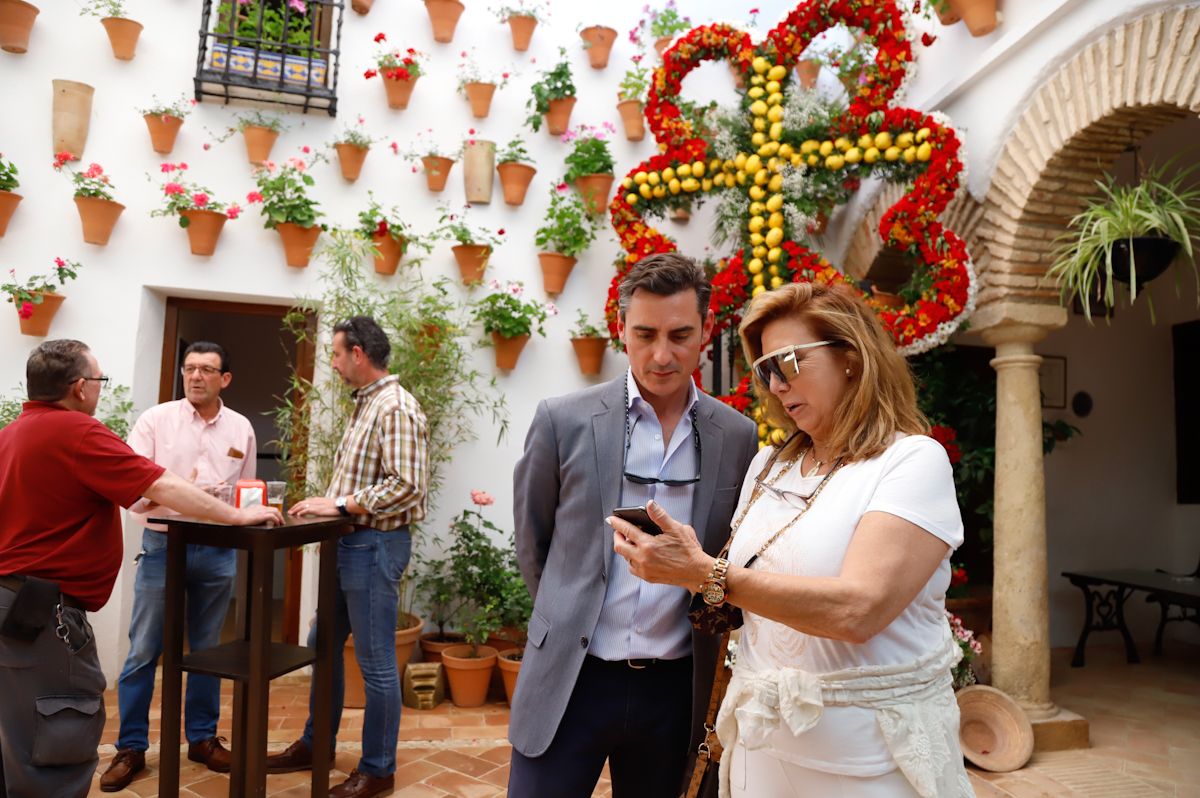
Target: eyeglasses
x,y
102,380
784,363
789,497
207,371
637,479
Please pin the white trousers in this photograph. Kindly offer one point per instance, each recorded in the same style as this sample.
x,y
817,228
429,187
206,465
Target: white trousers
x,y
757,774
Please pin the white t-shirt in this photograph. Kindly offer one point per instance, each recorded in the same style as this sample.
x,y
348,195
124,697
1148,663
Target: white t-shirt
x,y
911,479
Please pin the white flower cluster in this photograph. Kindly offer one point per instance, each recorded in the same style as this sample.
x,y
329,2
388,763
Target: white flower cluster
x,y
731,206
803,107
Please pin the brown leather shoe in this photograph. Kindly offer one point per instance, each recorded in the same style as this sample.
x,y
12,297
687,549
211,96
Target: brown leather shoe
x,y
360,785
124,766
296,756
211,753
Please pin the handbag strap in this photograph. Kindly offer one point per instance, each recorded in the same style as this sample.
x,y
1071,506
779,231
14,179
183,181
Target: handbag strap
x,y
710,748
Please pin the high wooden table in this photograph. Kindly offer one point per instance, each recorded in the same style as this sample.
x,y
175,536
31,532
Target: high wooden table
x,y
253,660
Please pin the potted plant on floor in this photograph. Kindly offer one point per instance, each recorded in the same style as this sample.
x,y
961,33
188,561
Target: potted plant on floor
x,y
163,120
260,132
552,98
391,238
516,607
122,32
98,211
16,22
198,213
399,71
590,164
522,17
442,599
515,166
589,342
287,208
567,230
9,199
1130,234
631,96
352,146
37,299
408,630
474,245
510,319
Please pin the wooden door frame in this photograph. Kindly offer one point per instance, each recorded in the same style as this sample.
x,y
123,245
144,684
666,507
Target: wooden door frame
x,y
305,366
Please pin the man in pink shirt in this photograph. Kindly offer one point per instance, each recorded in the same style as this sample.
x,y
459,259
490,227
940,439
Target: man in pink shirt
x,y
201,437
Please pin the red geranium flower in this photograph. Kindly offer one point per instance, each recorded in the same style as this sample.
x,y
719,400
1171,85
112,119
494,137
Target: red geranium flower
x,y
370,73
379,37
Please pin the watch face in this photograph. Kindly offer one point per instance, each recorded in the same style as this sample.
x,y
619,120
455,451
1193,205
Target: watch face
x,y
714,593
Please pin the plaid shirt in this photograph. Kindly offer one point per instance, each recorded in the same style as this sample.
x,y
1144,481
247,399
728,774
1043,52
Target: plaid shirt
x,y
383,458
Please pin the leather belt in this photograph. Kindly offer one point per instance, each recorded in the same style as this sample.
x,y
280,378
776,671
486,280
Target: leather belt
x,y
14,583
640,664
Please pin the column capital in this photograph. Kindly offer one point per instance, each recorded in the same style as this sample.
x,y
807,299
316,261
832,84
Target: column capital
x,y
1016,336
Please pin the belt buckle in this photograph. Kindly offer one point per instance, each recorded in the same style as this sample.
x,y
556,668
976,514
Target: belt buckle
x,y
631,664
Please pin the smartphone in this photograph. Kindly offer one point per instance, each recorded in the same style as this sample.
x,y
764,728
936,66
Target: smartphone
x,y
639,518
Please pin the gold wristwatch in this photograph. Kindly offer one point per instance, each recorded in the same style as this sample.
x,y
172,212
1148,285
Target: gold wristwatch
x,y
713,588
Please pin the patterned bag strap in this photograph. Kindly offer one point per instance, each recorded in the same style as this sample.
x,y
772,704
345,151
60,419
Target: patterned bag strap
x,y
710,749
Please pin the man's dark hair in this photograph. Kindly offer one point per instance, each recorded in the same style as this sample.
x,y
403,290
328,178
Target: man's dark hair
x,y
209,348
53,366
367,335
665,274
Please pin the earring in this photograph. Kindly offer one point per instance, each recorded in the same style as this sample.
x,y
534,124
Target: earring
x,y
848,374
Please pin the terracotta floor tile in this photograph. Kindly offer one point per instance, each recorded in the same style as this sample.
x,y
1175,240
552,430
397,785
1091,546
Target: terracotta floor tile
x,y
461,785
462,763
413,772
501,754
418,791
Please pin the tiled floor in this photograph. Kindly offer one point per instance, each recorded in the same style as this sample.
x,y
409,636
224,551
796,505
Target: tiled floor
x,y
1145,729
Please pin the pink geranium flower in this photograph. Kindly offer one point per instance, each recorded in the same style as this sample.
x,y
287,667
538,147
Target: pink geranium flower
x,y
172,189
233,211
200,199
253,197
482,498
26,310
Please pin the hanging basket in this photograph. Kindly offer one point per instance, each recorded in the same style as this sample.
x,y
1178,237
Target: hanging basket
x,y
1151,256
514,181
123,36
479,95
590,354
437,170
399,92
522,31
594,189
203,229
556,268
99,217
632,119
479,170
43,313
599,43
472,260
350,159
259,141
8,205
508,350
443,16
163,130
16,21
558,118
390,253
298,242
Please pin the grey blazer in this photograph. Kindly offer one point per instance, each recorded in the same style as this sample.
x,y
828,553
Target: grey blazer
x,y
565,484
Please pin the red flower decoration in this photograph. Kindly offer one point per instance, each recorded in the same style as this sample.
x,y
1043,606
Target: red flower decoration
x,y
26,310
379,37
370,73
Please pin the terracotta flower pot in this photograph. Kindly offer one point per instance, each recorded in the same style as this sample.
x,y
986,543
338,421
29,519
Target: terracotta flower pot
x,y
72,116
887,299
807,71
632,119
556,268
433,644
16,21
298,242
514,180
508,350
437,170
558,118
98,216
399,92
479,170
600,40
469,671
594,189
479,95
472,261
522,31
122,35
681,215
163,130
362,6
509,663
406,636
978,15
946,14
662,43
259,141
43,313
443,16
390,253
590,354
203,229
739,79
350,159
8,205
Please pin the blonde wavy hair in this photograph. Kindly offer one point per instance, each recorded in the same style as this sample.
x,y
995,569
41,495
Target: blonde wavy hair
x,y
881,398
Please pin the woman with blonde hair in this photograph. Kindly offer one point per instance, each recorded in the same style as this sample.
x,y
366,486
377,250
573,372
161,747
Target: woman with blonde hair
x,y
839,561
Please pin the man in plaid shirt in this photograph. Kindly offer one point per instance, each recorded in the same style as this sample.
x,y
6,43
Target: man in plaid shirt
x,y
380,478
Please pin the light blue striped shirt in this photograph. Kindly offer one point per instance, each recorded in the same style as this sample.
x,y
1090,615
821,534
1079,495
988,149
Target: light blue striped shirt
x,y
640,619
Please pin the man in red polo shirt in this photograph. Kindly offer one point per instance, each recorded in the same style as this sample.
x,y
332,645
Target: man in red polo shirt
x,y
62,476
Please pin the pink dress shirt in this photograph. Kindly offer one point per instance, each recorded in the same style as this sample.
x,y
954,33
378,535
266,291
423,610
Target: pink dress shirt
x,y
208,453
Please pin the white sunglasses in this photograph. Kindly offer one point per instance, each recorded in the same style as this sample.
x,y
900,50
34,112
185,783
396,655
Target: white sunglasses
x,y
783,363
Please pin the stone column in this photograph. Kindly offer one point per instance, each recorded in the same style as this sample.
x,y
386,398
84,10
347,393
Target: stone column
x,y
1020,607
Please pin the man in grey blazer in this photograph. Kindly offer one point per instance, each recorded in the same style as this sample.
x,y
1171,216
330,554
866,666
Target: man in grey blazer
x,y
613,670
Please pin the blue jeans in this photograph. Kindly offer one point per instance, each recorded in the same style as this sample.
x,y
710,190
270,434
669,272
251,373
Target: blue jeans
x,y
209,586
370,564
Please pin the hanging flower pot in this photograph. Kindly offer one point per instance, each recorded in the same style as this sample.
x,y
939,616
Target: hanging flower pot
x,y
820,224
978,15
515,178
479,95
522,26
509,663
556,268
595,190
362,7
681,215
163,130
808,71
479,170
472,259
599,43
99,217
8,205
390,253
298,242
38,322
72,116
469,671
16,21
350,159
508,350
443,16
399,91
662,43
259,141
632,119
589,352
946,14
437,170
558,118
122,35
203,229
1151,255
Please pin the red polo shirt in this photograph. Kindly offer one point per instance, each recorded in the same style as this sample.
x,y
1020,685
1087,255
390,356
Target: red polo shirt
x,y
62,475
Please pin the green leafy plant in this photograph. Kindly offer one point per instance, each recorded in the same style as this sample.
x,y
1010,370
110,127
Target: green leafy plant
x,y
590,153
635,82
102,8
507,312
283,192
556,84
376,220
395,65
259,119
514,152
521,8
584,328
29,293
8,175
179,196
567,228
178,108
243,18
660,23
454,227
115,409
91,183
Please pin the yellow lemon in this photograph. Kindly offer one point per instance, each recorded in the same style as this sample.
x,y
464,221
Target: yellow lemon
x,y
776,281
756,239
758,139
774,237
758,108
754,266
684,170
715,165
772,86
775,98
698,169
706,184
774,254
866,140
842,143
719,179
910,155
871,155
835,162
925,151
690,184
775,183
757,279
668,174
826,148
758,289
653,178
785,150
774,202
761,177
776,113
904,140
772,270
673,185
809,146
753,164
740,177
923,134
757,80
777,72
813,159
891,154
660,191
639,177
645,190
797,159
775,220
740,161
763,430
776,131
760,64
883,139
853,155
631,199
627,182
759,124
757,193
778,437
756,92
759,251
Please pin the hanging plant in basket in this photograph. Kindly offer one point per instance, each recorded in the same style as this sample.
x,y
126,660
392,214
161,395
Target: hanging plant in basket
x,y
511,319
163,120
352,146
122,32
552,98
473,245
516,170
399,71
567,230
98,211
287,208
37,299
390,237
202,216
9,199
